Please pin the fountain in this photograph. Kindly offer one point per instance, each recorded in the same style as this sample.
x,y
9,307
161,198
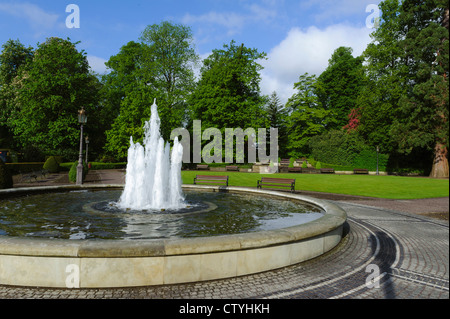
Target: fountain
x,y
69,247
153,178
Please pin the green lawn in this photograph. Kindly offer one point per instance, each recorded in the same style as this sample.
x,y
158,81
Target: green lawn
x,y
392,187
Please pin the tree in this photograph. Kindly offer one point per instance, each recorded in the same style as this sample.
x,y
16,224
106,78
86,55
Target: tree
x,y
425,107
228,92
341,83
13,57
49,92
276,116
307,116
160,66
404,105
170,65
386,80
126,98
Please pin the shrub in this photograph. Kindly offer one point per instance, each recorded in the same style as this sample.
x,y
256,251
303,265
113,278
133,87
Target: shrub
x,y
368,159
318,165
6,180
51,164
304,165
73,172
338,147
291,162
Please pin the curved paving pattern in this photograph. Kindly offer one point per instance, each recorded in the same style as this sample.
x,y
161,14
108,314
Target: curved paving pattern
x,y
411,253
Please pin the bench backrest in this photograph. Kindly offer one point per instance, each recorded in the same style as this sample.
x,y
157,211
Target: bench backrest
x,y
212,177
277,180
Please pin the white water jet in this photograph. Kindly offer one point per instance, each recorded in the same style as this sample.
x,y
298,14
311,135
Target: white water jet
x,y
153,175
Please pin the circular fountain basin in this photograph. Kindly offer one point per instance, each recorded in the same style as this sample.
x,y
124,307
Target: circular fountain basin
x,y
95,263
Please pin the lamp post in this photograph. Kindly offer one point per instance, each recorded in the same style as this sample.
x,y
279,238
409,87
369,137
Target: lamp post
x,y
86,140
378,149
82,119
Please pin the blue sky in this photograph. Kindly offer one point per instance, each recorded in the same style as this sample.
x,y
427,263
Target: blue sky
x,y
298,35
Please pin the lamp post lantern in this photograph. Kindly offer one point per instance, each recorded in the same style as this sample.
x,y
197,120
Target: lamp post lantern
x,y
82,119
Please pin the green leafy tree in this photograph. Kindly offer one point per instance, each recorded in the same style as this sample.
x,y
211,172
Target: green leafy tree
x,y
228,92
307,117
124,77
425,107
341,83
126,97
49,92
160,66
13,57
404,106
170,63
387,75
276,116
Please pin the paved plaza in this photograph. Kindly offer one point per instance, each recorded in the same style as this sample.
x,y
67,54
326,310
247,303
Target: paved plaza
x,y
391,250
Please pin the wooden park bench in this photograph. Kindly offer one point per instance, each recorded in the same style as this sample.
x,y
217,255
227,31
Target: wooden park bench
x,y
202,167
295,169
232,168
360,171
285,162
327,170
310,170
211,179
277,182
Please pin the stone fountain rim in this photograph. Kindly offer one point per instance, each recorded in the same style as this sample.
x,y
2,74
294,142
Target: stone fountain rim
x,y
334,217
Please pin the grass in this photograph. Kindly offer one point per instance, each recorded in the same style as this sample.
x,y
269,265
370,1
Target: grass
x,y
390,187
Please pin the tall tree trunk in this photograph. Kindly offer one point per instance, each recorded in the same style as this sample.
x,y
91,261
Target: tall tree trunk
x,y
440,162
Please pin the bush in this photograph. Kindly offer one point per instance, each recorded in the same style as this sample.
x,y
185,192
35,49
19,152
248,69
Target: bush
x,y
346,149
318,165
98,165
291,162
73,172
336,147
304,165
6,180
51,165
368,159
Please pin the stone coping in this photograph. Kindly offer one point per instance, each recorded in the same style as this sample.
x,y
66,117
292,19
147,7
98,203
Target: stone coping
x,y
333,218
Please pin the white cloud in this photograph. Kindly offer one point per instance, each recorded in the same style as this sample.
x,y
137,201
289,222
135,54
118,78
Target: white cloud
x,y
330,10
97,64
38,19
234,22
230,20
307,51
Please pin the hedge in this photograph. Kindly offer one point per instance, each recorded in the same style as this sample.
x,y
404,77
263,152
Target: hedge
x,y
17,168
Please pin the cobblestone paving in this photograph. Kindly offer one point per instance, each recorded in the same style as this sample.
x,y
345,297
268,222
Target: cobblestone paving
x,y
410,253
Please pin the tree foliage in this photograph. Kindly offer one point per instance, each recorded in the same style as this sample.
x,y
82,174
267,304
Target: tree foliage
x,y
13,57
405,102
341,83
48,92
228,92
277,117
159,67
169,62
307,116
